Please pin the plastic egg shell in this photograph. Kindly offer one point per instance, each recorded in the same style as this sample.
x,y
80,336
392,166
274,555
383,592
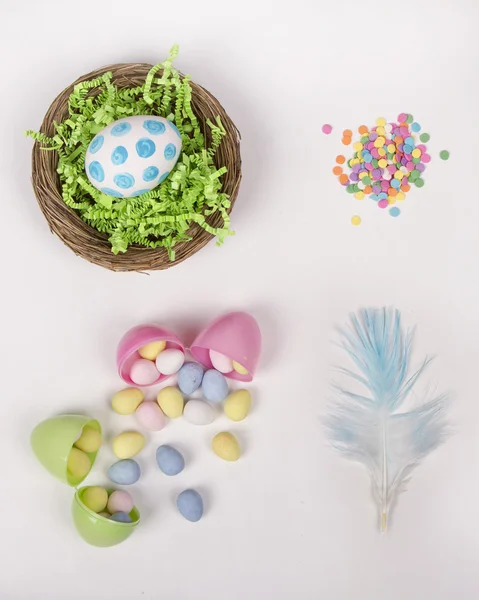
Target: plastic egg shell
x,y
235,335
136,338
132,155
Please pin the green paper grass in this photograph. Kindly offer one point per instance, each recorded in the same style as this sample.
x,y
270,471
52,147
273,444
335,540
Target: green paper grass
x,y
162,216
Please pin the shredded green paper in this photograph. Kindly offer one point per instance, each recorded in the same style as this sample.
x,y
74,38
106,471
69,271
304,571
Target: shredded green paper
x,y
162,216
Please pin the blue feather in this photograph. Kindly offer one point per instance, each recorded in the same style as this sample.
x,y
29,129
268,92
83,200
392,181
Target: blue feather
x,y
366,427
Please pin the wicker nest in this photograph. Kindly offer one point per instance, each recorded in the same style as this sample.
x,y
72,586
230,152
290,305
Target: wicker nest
x,y
90,243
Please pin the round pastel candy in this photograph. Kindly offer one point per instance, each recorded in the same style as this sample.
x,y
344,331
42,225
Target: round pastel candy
x,y
121,517
220,362
198,412
124,472
190,377
190,505
150,416
95,498
151,350
214,386
89,440
144,372
170,361
128,443
78,463
127,401
120,501
171,402
169,460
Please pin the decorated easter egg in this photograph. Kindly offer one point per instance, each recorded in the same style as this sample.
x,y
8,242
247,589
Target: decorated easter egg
x,y
95,498
121,517
89,440
237,405
133,155
190,505
214,386
171,402
150,416
170,461
226,446
127,401
198,412
120,501
128,443
170,361
190,377
220,362
124,472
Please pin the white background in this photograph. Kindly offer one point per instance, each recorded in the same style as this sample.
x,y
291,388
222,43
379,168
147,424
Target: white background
x,y
290,519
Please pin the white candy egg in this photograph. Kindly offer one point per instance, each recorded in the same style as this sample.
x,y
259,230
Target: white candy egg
x,y
220,362
198,412
133,155
170,361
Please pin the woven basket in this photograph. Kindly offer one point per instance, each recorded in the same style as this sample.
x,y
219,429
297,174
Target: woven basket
x,y
93,245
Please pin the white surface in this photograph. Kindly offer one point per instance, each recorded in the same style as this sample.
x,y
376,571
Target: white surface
x,y
290,520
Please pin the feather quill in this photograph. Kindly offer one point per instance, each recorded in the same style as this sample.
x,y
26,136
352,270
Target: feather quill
x,y
368,427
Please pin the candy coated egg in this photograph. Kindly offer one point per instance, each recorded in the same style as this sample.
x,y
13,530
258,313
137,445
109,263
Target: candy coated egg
x,y
170,461
132,155
190,377
220,362
150,416
170,361
198,412
239,368
89,440
214,386
95,498
121,517
143,372
128,443
190,505
120,501
237,405
124,472
226,446
171,402
78,464
151,350
127,401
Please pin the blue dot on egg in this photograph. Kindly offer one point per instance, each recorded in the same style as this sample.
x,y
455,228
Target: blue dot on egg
x,y
154,127
96,144
164,176
170,151
121,129
139,193
145,147
110,192
150,173
119,155
175,129
124,180
96,171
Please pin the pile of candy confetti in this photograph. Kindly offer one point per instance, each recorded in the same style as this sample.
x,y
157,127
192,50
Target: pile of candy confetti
x,y
387,160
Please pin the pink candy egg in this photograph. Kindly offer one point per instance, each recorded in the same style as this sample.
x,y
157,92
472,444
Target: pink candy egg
x,y
220,362
143,372
150,416
120,501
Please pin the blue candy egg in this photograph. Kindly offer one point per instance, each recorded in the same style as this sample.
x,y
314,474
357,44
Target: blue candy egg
x,y
190,377
121,517
190,505
170,461
215,387
124,472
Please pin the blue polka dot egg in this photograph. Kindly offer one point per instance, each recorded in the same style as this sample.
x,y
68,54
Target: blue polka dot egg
x,y
133,155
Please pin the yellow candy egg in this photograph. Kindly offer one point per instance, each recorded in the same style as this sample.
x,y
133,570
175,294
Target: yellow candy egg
x,y
171,402
151,350
128,443
89,441
239,368
237,405
95,498
226,446
127,401
78,464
